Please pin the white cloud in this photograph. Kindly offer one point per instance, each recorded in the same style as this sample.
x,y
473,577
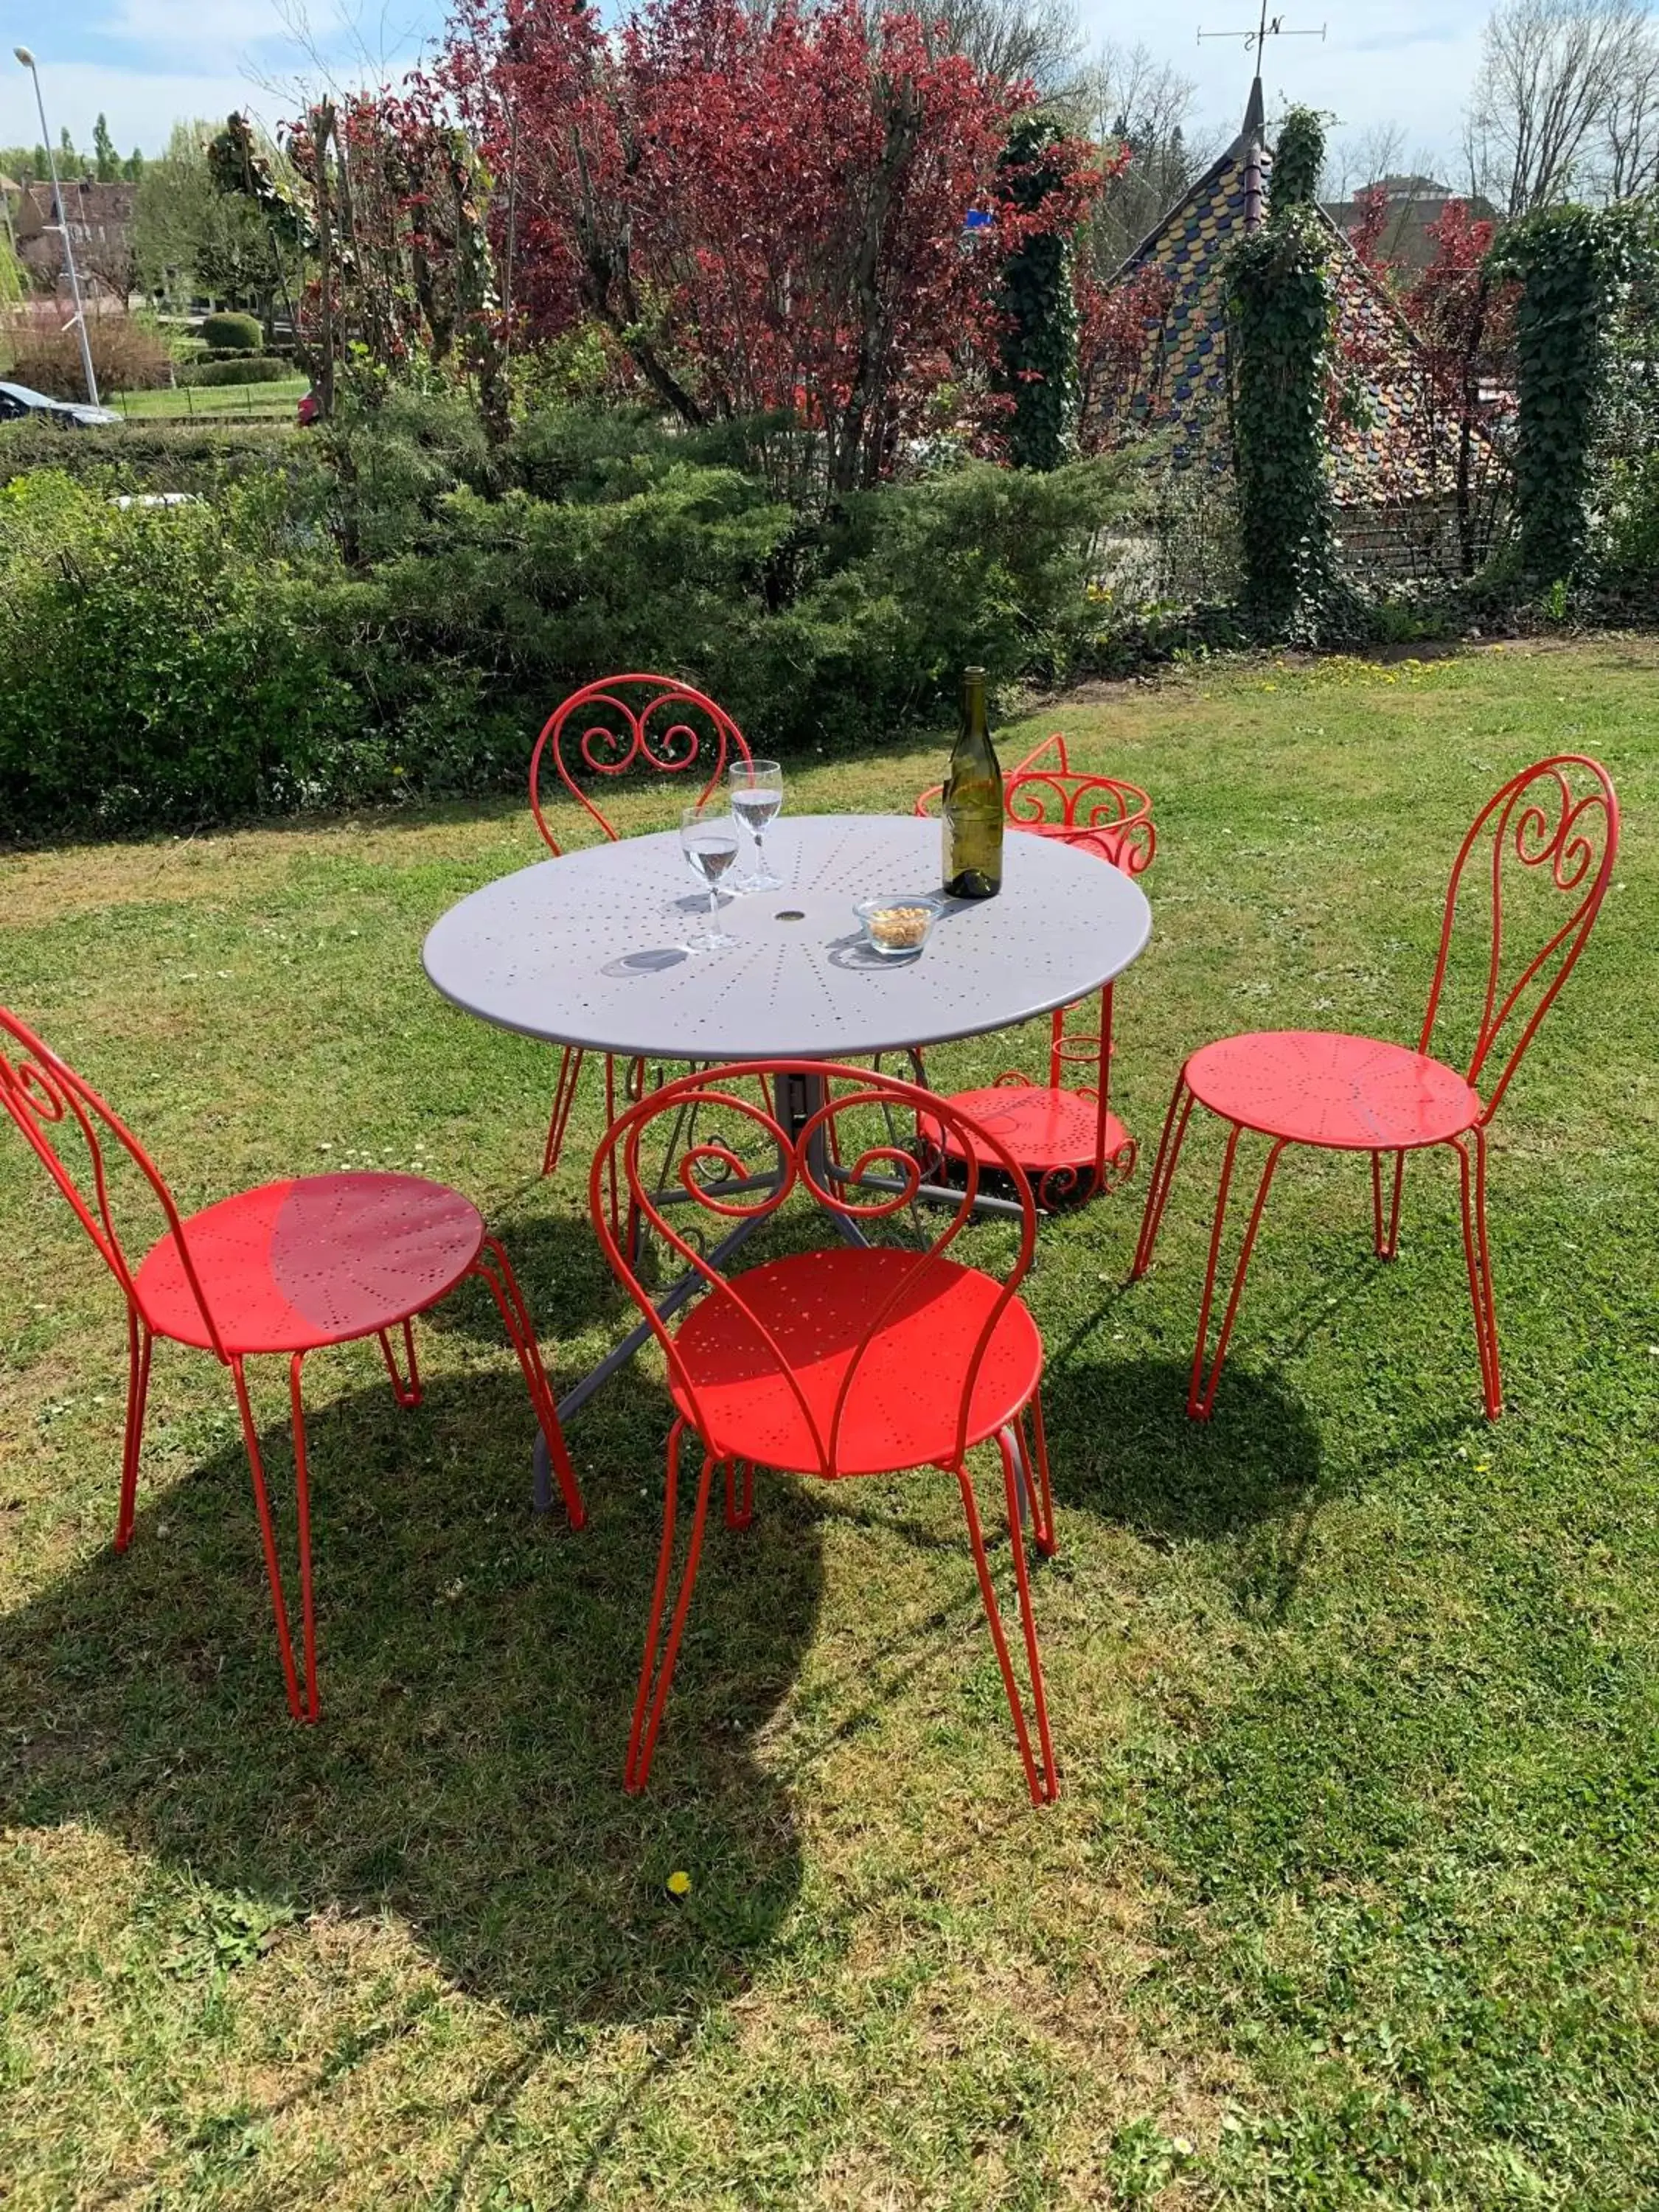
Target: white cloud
x,y
219,32
1409,62
141,105
213,31
149,63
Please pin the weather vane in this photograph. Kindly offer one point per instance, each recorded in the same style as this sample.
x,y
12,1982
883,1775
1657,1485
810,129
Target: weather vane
x,y
1270,27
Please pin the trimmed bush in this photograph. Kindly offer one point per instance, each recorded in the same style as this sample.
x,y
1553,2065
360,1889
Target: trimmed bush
x,y
233,332
166,454
235,368
234,353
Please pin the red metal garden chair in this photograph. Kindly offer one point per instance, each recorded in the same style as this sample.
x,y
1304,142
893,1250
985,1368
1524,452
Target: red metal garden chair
x,y
1063,1132
286,1268
1549,836
608,728
861,1359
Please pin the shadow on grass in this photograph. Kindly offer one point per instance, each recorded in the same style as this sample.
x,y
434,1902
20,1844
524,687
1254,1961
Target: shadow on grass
x,y
1123,1446
478,1674
565,1278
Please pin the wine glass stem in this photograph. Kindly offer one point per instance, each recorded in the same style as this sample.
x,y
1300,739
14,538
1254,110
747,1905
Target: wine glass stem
x,y
714,905
760,855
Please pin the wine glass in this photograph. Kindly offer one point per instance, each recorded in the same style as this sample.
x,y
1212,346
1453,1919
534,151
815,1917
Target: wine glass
x,y
710,842
757,788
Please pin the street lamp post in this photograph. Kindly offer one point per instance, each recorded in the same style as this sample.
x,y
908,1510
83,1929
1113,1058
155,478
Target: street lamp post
x,y
28,60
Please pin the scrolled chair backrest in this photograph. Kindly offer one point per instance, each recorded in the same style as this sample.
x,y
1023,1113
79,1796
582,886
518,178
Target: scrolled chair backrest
x,y
1108,816
1049,752
621,722
1043,790
69,1127
1549,836
721,1118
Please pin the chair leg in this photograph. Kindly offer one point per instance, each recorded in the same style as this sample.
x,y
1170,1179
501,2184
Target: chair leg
x,y
304,1710
650,1700
406,1393
613,1189
496,1269
1043,1497
1386,1238
1103,1098
1201,1392
1043,1785
303,1516
139,1340
1163,1168
740,1517
564,1096
1478,1258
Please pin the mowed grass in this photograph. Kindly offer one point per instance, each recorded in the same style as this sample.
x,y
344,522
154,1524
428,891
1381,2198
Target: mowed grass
x,y
1350,1896
281,396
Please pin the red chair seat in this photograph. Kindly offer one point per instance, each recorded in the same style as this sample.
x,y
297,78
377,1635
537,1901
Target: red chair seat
x,y
1321,1087
905,1403
1043,1129
319,1259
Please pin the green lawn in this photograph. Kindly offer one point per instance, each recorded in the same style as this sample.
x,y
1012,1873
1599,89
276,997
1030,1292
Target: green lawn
x,y
1349,1899
279,397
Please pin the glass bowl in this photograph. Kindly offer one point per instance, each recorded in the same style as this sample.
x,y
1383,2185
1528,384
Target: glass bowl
x,y
896,923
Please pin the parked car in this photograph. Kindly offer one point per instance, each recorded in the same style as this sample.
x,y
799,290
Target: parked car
x,y
18,401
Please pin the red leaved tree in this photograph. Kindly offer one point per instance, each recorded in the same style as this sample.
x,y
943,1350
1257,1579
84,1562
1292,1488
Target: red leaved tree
x,y
1365,231
1121,354
764,207
379,194
1464,320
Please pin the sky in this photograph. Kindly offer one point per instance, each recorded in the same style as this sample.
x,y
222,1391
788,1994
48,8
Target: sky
x,y
1380,62
146,63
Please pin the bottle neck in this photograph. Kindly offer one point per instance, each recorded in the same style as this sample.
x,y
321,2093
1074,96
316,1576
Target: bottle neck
x,y
974,722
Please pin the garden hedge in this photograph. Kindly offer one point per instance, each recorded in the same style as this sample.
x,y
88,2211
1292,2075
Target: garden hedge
x,y
237,368
185,665
237,353
159,454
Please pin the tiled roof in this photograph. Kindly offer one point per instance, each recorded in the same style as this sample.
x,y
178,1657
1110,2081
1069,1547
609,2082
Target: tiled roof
x,y
1188,250
1385,445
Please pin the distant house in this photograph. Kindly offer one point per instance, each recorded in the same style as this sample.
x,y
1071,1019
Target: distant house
x,y
100,220
1413,204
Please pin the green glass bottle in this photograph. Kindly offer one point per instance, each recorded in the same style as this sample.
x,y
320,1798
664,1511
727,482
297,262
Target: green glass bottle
x,y
973,801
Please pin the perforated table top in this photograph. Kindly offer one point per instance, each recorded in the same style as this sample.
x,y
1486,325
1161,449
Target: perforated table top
x,y
589,948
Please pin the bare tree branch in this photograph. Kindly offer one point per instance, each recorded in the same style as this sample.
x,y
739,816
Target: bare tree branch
x,y
1360,159
1553,74
1128,97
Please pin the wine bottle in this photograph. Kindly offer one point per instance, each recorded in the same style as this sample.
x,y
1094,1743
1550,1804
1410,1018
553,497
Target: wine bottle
x,y
973,801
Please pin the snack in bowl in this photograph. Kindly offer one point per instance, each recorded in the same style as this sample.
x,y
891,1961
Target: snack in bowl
x,y
897,923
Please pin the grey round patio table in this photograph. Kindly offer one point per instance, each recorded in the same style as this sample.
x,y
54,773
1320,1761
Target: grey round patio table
x,y
589,949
